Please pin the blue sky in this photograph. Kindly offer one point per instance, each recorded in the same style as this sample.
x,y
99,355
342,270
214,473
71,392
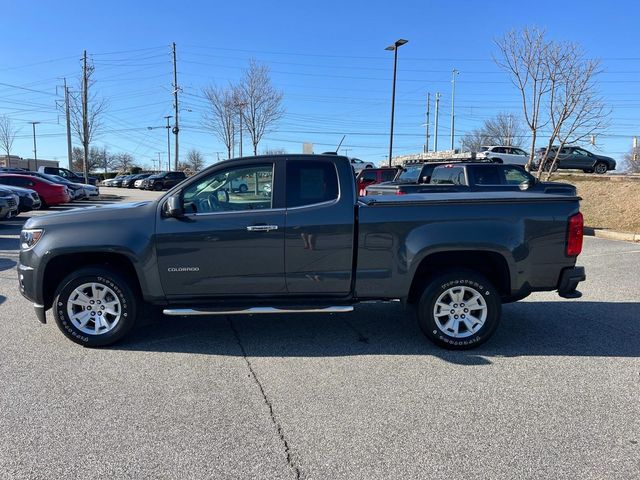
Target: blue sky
x,y
327,57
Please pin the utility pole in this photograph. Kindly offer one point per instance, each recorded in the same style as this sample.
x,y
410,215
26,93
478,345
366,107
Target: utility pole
x,y
85,120
426,143
35,148
159,161
454,72
233,140
435,141
176,128
68,115
168,144
241,106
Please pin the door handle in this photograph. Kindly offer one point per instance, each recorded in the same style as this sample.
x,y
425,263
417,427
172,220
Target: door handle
x,y
261,228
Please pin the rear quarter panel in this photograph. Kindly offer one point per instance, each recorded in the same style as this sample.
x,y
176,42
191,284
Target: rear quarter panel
x,y
394,239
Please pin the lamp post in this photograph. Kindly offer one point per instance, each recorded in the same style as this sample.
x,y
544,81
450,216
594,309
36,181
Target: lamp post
x,y
394,48
35,148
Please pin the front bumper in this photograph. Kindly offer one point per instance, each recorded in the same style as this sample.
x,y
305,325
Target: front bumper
x,y
569,280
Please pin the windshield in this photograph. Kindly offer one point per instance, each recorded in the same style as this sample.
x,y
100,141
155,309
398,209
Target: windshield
x,y
410,174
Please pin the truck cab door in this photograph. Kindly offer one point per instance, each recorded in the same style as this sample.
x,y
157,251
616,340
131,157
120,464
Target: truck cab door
x,y
226,243
319,232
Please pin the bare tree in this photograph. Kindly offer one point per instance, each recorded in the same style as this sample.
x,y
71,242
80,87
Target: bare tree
x,y
95,108
122,162
576,111
524,56
262,103
221,117
274,151
633,160
195,160
99,158
7,136
473,140
557,86
503,129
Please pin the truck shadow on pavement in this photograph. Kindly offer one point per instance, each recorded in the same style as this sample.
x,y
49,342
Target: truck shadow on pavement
x,y
558,328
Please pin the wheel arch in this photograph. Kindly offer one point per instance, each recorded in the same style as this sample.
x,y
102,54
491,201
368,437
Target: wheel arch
x,y
492,265
57,268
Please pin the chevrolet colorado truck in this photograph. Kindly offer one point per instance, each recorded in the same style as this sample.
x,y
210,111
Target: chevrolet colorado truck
x,y
299,239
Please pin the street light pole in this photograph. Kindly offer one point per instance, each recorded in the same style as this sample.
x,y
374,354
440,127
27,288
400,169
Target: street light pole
x,y
35,148
168,143
435,127
394,47
453,101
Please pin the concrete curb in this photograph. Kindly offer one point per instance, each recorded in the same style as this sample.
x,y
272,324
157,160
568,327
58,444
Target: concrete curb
x,y
611,235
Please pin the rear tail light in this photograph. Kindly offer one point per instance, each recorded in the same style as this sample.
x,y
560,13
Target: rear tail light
x,y
575,234
400,192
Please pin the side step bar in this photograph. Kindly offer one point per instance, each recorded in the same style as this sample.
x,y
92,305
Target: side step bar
x,y
179,312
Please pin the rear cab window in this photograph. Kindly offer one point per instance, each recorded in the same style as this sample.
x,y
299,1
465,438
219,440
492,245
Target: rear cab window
x,y
448,175
486,175
310,182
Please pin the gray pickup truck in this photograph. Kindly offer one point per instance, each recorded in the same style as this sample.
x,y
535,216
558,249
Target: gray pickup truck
x,y
299,240
464,176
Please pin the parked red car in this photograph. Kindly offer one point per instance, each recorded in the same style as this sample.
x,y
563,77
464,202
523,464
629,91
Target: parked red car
x,y
50,193
371,176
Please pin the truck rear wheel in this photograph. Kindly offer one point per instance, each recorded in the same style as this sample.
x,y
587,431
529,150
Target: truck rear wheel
x,y
459,310
94,307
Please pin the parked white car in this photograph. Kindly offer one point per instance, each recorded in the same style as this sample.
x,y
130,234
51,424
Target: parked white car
x,y
359,165
504,154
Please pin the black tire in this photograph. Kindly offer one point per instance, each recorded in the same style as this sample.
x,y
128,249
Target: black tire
x,y
600,168
439,288
243,188
497,160
157,187
550,167
128,306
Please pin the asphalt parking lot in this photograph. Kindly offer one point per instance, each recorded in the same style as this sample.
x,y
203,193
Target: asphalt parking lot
x,y
554,394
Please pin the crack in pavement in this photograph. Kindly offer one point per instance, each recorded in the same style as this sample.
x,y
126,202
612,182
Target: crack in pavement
x,y
274,420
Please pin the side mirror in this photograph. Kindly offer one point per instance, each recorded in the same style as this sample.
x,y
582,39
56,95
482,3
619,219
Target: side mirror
x,y
527,184
173,207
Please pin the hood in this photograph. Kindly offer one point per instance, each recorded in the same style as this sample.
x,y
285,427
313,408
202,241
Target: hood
x,y
19,190
603,157
84,216
6,192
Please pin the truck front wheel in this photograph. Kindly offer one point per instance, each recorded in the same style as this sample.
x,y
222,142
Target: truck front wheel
x,y
459,310
94,307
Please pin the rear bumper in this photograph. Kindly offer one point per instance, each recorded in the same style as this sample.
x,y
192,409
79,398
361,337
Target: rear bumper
x,y
57,199
569,280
